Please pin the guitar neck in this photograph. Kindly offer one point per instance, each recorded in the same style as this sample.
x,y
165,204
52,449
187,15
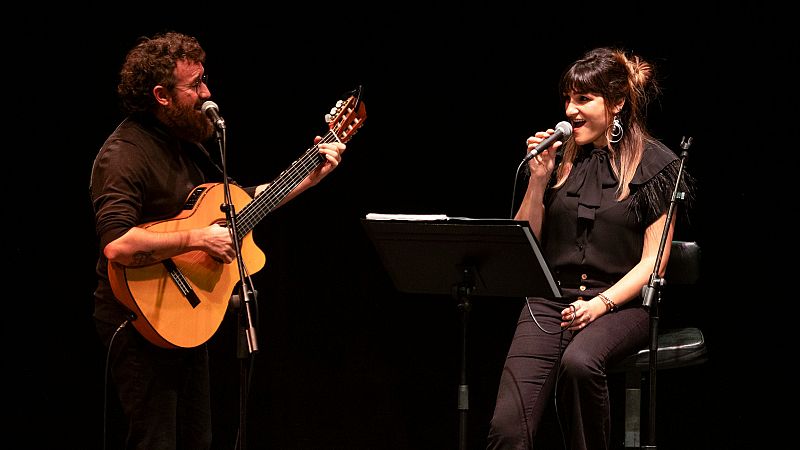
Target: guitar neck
x,y
281,186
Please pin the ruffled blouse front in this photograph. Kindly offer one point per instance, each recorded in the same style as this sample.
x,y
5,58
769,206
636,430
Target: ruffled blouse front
x,y
588,235
590,176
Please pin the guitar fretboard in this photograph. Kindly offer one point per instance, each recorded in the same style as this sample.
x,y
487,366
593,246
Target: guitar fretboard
x,y
281,186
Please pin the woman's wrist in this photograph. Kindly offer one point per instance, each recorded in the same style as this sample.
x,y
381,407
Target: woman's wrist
x,y
610,305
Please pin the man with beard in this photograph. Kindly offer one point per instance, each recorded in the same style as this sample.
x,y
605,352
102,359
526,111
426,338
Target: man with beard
x,y
144,172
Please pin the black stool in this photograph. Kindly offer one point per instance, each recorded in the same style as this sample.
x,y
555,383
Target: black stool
x,y
677,347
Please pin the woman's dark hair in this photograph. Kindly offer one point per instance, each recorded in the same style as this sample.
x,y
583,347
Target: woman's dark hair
x,y
617,77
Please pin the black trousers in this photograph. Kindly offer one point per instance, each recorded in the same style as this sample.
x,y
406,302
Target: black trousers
x,y
165,393
571,364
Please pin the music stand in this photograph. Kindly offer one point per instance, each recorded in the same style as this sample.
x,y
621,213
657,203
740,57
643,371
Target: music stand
x,y
462,258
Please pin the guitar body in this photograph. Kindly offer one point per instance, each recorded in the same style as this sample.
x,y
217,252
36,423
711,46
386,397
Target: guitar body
x,y
164,313
181,301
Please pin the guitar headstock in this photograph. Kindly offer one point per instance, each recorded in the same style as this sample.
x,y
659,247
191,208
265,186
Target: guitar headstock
x,y
347,116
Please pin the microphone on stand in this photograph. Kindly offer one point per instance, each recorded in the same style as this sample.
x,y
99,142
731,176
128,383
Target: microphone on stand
x,y
212,111
562,133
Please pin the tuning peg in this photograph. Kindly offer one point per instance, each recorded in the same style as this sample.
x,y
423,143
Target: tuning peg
x,y
328,118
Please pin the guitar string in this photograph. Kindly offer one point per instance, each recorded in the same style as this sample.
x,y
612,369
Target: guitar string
x,y
253,212
286,181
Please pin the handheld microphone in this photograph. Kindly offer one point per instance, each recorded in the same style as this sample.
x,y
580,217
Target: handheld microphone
x,y
212,111
562,133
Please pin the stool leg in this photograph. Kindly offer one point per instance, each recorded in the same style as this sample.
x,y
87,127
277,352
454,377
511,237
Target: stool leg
x,y
633,408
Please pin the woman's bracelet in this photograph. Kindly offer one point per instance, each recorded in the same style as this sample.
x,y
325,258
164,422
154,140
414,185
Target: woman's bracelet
x,y
610,305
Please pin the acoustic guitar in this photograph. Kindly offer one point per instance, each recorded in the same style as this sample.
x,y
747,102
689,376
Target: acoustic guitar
x,y
180,302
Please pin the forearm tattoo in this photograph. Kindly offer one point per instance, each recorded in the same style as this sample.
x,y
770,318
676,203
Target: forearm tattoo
x,y
143,258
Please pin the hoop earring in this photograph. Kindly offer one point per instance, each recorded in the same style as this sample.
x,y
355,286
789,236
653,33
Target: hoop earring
x,y
616,131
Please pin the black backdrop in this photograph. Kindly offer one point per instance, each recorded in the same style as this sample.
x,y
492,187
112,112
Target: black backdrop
x,y
346,361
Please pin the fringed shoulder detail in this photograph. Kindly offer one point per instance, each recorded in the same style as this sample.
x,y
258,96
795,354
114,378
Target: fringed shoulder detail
x,y
654,183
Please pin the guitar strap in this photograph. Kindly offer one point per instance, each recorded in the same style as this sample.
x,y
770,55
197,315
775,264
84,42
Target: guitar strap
x,y
206,164
205,161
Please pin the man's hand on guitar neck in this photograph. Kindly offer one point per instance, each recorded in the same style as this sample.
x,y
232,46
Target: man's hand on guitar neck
x,y
332,151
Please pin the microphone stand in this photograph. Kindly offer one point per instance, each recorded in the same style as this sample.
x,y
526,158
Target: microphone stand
x,y
651,294
462,292
244,302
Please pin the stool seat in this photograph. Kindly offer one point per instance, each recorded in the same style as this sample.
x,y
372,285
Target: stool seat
x,y
678,347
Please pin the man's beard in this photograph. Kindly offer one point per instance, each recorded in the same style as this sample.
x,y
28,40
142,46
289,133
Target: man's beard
x,y
188,123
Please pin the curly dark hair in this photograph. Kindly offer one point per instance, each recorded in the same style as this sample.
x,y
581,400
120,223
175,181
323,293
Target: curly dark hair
x,y
152,62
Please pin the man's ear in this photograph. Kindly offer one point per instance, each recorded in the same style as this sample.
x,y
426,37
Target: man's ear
x,y
161,95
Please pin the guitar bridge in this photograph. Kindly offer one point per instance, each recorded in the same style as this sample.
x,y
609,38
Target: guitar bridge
x,y
180,281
